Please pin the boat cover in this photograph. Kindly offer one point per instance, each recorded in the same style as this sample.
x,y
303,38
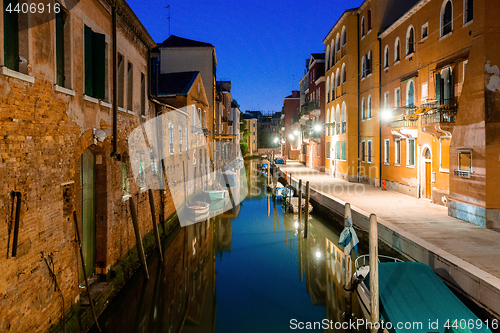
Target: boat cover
x,y
410,292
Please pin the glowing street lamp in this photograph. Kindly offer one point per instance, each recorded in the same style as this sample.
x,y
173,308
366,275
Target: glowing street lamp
x,y
276,140
296,133
317,128
291,136
386,114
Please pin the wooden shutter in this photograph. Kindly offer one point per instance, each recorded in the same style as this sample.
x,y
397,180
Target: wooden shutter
x,y
88,63
99,64
60,48
11,36
439,88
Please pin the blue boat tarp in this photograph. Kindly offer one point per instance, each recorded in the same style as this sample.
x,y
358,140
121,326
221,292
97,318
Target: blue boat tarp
x,y
411,293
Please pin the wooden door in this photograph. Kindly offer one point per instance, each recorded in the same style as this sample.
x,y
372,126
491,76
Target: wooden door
x,y
87,180
428,180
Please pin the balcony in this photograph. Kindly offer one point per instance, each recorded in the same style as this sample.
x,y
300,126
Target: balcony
x,y
196,129
405,125
439,116
206,131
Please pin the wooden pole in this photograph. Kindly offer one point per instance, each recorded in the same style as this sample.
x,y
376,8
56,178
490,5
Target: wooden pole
x,y
306,213
268,173
275,180
300,201
348,264
85,273
138,238
155,226
374,294
268,206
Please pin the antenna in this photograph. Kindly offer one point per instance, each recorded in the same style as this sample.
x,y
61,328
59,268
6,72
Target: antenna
x,y
168,18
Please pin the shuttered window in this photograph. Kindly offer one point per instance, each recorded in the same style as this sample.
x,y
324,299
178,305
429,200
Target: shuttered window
x,y
11,36
328,150
343,150
95,60
60,20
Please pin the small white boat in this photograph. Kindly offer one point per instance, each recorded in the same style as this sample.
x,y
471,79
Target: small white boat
x,y
198,211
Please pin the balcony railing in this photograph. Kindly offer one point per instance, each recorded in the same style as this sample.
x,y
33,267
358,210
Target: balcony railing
x,y
439,111
404,121
337,128
206,131
196,129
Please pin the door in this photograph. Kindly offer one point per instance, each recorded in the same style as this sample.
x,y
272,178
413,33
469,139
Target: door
x,y
87,181
427,180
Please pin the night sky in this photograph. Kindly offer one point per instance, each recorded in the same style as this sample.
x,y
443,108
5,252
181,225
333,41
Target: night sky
x,y
260,45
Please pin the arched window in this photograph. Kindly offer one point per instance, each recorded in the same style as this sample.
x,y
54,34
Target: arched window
x,y
332,87
410,94
369,19
327,63
337,43
369,63
410,40
344,74
337,119
369,107
343,118
446,17
343,39
332,116
363,111
363,67
362,26
327,121
386,56
337,77
397,50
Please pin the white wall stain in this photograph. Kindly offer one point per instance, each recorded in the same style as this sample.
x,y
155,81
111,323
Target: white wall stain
x,y
494,81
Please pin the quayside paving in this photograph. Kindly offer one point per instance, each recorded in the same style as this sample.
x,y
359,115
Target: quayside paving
x,y
463,254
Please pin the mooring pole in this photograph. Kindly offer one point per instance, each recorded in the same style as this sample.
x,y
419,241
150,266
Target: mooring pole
x,y
84,272
300,201
138,238
374,294
348,263
275,180
155,225
306,212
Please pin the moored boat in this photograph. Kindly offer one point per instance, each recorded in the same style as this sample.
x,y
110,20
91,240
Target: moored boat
x,y
198,211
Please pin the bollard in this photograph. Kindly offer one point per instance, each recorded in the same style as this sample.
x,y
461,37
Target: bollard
x,y
155,225
300,201
138,238
306,213
374,294
348,264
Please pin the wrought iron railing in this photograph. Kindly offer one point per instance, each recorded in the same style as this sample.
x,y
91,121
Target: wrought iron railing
x,y
404,121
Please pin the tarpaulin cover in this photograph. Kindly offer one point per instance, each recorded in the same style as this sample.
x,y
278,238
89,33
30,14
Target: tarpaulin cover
x,y
411,293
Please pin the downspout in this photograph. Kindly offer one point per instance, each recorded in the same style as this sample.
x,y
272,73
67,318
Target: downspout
x,y
357,111
380,110
115,92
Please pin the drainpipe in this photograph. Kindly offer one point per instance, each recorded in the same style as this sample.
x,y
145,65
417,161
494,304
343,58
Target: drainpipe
x,y
357,112
380,110
16,223
115,92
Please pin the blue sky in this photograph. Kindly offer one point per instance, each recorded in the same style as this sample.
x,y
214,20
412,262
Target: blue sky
x,y
260,45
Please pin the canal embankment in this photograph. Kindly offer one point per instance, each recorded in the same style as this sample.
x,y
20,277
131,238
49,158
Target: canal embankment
x,y
464,255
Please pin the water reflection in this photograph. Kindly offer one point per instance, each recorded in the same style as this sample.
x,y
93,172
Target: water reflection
x,y
267,274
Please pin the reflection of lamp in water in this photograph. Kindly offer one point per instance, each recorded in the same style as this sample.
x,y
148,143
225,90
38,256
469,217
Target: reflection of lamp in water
x,y
296,225
318,254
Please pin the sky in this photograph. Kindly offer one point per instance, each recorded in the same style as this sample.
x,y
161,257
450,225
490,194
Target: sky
x,y
261,45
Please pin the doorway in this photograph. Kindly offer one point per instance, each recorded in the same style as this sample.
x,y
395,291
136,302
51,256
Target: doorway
x,y
427,174
87,182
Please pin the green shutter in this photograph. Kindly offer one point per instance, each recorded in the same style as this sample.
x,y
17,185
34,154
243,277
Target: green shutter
x,y
439,88
98,64
343,150
11,36
328,150
88,63
337,150
60,48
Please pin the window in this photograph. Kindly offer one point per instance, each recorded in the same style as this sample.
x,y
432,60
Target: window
x,y
410,40
369,63
369,107
363,113
344,78
397,98
337,43
410,152
326,58
386,100
468,10
121,81
425,31
397,55
143,94
446,18
425,91
180,139
387,147
332,91
95,64
130,86
328,150
15,34
62,40
337,77
328,91
369,147
369,20
363,67
444,153
343,151
386,56
362,27
397,152
344,120
464,67
125,181
337,150
343,39
362,152
410,94
171,137
465,163
205,118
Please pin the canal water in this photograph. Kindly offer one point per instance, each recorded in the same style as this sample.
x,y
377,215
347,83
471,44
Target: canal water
x,y
247,270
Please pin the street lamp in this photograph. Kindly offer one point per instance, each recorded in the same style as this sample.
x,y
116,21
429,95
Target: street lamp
x,y
386,114
317,128
276,140
296,133
291,136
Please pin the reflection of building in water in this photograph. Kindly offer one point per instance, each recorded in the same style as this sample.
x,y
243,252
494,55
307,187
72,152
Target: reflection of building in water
x,y
223,234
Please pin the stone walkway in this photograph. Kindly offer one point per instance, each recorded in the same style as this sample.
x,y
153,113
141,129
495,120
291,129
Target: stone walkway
x,y
420,220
